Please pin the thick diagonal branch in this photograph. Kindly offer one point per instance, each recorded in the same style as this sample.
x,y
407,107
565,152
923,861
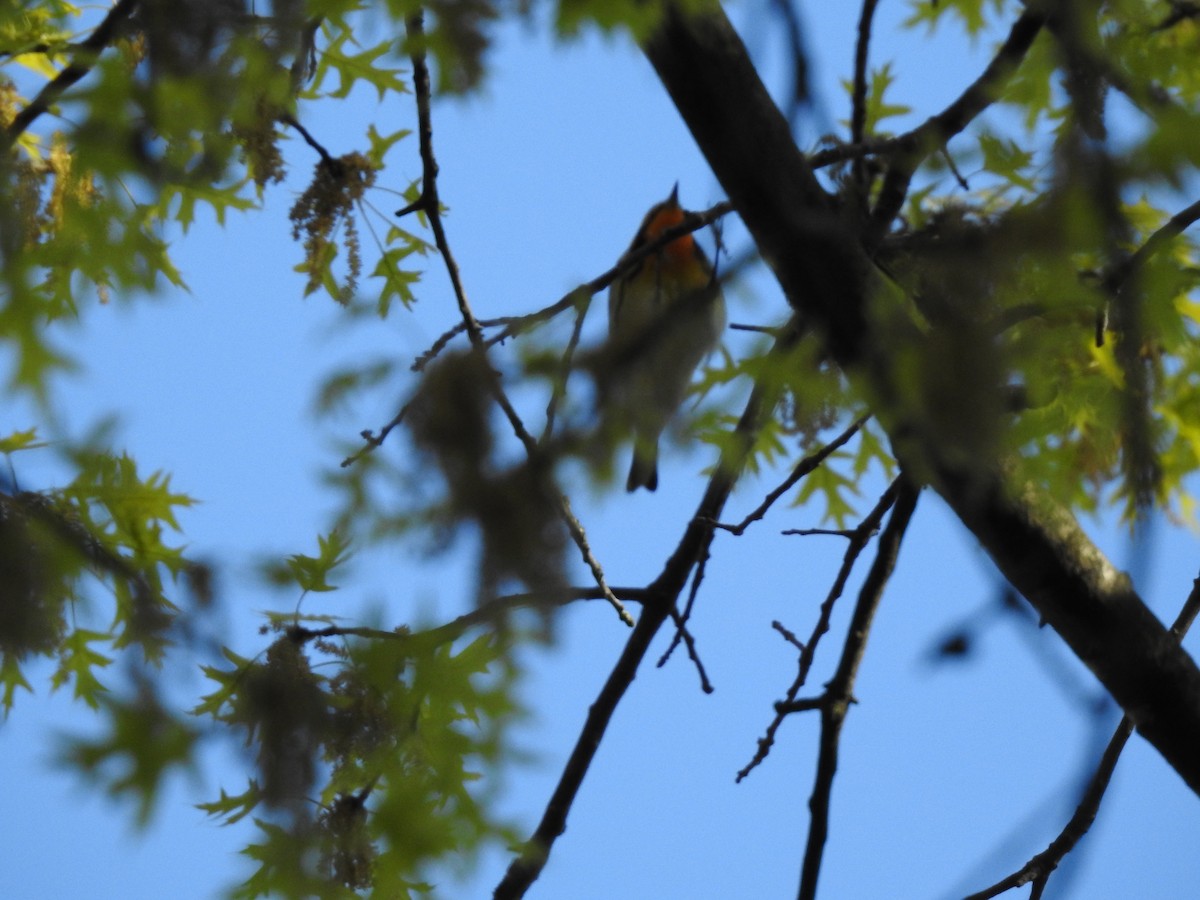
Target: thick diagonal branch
x,y
824,272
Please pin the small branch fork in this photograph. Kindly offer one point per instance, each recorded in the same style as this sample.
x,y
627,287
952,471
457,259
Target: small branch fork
x,y
840,692
513,325
859,538
430,204
936,131
803,468
1039,869
909,149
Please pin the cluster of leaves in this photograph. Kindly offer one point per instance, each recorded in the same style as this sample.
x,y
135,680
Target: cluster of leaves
x,y
1021,259
117,127
106,524
392,746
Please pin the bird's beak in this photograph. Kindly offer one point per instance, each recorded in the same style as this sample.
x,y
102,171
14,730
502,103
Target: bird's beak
x,y
673,200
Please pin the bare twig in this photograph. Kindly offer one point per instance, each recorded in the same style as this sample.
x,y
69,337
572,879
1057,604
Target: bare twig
x,y
794,34
559,390
829,532
681,619
291,121
803,468
430,203
788,635
808,704
374,440
1116,278
485,614
683,635
81,63
1038,869
840,692
858,541
858,112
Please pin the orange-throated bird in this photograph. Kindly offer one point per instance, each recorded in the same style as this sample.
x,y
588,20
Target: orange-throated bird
x,y
664,317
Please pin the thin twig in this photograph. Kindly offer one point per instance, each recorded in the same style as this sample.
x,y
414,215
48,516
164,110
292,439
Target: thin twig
x,y
788,635
430,203
808,650
840,692
803,468
829,532
485,614
794,35
807,705
1039,868
514,325
291,121
681,619
1175,226
683,634
559,390
953,167
858,112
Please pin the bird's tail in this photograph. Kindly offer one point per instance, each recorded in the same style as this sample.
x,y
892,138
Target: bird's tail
x,y
644,470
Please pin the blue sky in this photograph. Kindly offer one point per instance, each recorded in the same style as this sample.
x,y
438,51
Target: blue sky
x,y
950,775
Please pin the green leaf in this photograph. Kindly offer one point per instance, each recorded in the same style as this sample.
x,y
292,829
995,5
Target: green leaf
x,y
77,663
877,107
311,572
354,67
233,808
12,678
1006,158
833,487
21,440
381,144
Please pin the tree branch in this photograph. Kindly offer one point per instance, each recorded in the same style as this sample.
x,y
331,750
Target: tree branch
x,y
514,325
659,599
1115,279
827,279
431,205
858,111
1040,867
912,148
840,692
81,63
859,538
804,467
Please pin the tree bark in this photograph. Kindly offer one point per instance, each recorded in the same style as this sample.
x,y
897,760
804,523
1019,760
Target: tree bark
x,y
817,255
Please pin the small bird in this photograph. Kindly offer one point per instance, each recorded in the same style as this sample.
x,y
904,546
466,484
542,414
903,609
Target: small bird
x,y
664,316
